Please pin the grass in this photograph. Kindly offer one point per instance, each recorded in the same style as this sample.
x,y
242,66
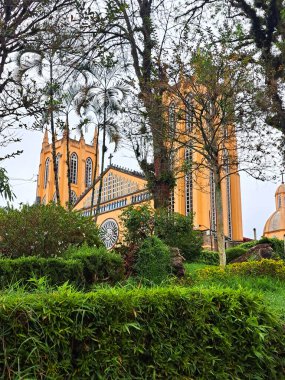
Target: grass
x,y
271,289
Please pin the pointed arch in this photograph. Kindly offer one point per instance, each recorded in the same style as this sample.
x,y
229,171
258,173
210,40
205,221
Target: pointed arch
x,y
88,172
73,168
46,176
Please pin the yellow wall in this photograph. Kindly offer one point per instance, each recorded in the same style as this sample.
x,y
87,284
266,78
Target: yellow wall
x,y
82,150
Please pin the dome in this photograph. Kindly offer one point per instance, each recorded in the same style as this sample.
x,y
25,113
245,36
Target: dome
x,y
275,225
280,189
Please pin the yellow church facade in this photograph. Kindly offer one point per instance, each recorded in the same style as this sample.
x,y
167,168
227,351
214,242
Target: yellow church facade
x,y
123,187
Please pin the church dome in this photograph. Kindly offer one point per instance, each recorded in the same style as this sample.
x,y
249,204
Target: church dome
x,y
275,225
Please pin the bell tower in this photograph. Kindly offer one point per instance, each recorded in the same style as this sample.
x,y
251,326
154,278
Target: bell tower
x,y
81,158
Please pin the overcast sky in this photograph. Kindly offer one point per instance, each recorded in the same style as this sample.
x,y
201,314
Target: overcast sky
x,y
257,197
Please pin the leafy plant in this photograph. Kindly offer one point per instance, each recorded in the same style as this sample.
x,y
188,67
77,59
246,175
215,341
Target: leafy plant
x,y
153,262
234,252
174,229
208,257
160,333
81,267
45,231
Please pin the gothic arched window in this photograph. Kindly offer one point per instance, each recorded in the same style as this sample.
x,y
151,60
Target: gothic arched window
x,y
73,198
88,172
228,189
73,168
46,172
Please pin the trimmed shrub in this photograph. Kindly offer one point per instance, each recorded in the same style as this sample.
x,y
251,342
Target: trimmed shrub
x,y
99,265
45,231
83,268
153,261
208,257
264,267
139,334
234,252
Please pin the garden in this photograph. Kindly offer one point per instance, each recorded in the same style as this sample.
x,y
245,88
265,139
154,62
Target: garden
x,y
156,307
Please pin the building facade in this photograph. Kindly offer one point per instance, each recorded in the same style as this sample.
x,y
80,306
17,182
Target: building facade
x,y
123,187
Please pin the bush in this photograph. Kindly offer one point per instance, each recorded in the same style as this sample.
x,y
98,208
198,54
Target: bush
x,y
45,231
264,267
153,262
234,252
248,244
98,264
139,334
83,268
174,229
138,223
208,257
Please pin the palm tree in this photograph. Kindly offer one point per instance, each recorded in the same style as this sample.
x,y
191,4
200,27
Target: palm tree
x,y
104,98
40,61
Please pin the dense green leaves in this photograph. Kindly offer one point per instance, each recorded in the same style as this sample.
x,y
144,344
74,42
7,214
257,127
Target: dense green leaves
x,y
46,231
140,334
81,267
174,229
153,262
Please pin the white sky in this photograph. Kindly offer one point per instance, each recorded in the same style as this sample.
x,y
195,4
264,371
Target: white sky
x,y
257,197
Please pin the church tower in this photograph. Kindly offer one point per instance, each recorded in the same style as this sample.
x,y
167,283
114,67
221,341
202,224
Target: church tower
x,y
82,158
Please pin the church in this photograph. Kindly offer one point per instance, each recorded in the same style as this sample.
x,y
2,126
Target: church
x,y
123,187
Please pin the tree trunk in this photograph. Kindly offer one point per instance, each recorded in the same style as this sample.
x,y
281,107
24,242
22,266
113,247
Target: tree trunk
x,y
102,162
94,174
55,169
220,217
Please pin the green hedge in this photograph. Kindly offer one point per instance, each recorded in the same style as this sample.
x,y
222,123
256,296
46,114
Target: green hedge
x,y
234,252
208,257
139,334
83,268
263,267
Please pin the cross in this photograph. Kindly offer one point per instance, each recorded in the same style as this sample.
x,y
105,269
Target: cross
x,y
110,158
282,174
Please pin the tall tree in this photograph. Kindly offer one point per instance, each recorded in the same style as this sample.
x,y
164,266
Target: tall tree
x,y
215,102
103,95
258,32
141,32
21,22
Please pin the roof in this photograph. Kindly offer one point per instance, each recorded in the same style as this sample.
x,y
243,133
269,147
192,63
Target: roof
x,y
280,189
133,173
276,222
